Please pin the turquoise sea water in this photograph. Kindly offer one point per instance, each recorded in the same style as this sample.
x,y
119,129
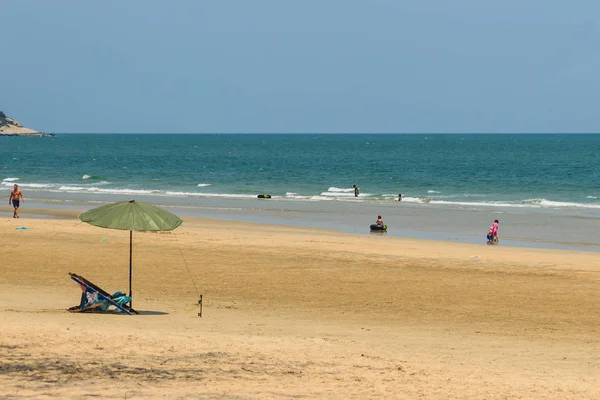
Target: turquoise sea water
x,y
526,171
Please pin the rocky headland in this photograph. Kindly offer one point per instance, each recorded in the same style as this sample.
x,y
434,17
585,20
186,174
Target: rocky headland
x,y
11,127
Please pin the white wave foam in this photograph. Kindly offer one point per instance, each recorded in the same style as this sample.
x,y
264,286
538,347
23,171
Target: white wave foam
x,y
337,194
528,203
30,185
219,195
93,189
420,200
481,203
204,184
86,177
168,193
548,203
296,196
10,180
432,191
37,185
71,188
344,194
339,190
127,191
591,197
76,188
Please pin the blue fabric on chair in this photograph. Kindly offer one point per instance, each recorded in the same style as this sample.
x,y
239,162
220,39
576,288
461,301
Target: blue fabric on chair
x,y
94,299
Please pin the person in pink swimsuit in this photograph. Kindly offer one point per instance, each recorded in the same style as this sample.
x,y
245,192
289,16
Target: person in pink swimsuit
x,y
492,235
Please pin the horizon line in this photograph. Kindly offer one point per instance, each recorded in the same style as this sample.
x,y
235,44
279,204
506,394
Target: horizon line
x,y
323,133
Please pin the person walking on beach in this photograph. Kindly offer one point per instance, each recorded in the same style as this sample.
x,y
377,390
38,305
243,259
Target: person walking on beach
x,y
492,235
14,198
356,192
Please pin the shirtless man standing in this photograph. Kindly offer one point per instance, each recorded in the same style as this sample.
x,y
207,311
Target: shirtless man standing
x,y
15,195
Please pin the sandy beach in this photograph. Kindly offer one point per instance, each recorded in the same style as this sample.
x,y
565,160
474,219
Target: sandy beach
x,y
293,312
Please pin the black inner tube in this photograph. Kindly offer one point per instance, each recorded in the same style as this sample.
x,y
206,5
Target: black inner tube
x,y
376,227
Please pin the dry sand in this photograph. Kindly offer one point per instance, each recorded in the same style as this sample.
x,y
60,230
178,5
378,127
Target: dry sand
x,y
293,313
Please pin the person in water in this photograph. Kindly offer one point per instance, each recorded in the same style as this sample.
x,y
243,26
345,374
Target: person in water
x,y
356,192
379,221
492,235
399,197
15,197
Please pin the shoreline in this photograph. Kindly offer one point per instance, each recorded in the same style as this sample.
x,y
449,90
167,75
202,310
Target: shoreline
x,y
396,246
517,228
85,190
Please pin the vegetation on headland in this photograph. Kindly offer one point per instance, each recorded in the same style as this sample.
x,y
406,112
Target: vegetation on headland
x,y
11,127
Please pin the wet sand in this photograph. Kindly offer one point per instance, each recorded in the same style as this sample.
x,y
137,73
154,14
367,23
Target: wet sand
x,y
552,228
294,312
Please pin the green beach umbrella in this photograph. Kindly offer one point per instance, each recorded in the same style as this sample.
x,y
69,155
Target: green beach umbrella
x,y
131,216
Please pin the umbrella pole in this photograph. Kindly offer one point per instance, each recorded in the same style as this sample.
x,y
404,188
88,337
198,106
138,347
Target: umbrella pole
x,y
130,266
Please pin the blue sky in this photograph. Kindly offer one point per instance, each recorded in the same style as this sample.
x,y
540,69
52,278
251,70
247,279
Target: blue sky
x,y
301,66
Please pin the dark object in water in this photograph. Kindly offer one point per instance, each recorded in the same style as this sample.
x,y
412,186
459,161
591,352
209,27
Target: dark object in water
x,y
264,196
375,227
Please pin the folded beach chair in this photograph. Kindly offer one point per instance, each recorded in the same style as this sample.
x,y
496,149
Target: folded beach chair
x,y
95,299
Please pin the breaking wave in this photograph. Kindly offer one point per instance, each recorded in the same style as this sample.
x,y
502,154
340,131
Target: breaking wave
x,y
332,194
340,190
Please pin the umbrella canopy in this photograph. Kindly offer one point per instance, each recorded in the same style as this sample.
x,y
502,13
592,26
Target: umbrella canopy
x,y
131,216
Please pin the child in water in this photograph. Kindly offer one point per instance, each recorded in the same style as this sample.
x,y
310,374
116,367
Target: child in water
x,y
379,221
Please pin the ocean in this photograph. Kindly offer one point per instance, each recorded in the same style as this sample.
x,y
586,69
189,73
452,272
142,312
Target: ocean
x,y
310,176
